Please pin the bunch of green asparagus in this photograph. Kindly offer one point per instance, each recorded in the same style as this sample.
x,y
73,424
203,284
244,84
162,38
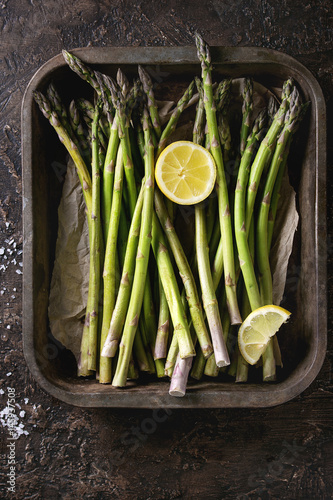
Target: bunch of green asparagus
x,y
152,306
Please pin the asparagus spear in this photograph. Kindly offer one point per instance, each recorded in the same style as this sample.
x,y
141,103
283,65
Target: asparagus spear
x,y
81,69
109,273
207,289
186,275
59,108
110,156
119,313
84,176
123,82
171,290
246,113
244,254
78,129
265,150
266,285
291,119
141,266
95,249
123,117
153,109
221,185
161,343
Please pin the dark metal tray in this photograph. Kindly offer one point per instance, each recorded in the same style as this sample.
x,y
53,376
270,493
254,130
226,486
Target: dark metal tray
x,y
303,341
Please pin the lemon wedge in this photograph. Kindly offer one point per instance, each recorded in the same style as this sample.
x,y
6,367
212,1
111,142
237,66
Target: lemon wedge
x,y
185,172
256,330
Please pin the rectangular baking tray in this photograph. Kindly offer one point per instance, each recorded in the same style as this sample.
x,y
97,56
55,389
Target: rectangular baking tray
x,y
303,341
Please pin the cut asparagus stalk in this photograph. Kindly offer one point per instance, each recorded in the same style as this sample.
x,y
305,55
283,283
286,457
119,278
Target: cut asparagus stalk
x,y
141,266
264,153
207,289
95,249
244,254
171,290
110,267
221,184
186,275
161,343
119,313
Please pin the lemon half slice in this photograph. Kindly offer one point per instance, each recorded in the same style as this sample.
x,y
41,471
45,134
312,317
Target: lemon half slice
x,y
185,172
256,330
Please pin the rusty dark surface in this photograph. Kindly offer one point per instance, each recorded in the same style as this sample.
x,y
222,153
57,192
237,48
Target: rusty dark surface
x,y
280,452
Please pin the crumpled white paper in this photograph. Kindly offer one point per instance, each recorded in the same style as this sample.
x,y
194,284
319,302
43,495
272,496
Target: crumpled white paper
x,y
70,277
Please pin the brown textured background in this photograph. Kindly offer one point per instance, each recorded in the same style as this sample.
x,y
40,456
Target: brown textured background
x,y
282,452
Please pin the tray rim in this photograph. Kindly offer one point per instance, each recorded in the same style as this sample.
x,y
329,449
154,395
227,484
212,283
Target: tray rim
x,y
271,394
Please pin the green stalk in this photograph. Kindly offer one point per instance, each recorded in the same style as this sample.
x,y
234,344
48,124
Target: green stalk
x,y
198,365
141,266
124,293
84,175
205,277
186,275
160,351
246,113
207,289
182,367
152,106
171,290
140,353
108,175
211,368
278,183
123,118
221,184
150,359
244,253
123,234
59,108
265,151
172,355
95,242
266,284
217,266
110,267
76,124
